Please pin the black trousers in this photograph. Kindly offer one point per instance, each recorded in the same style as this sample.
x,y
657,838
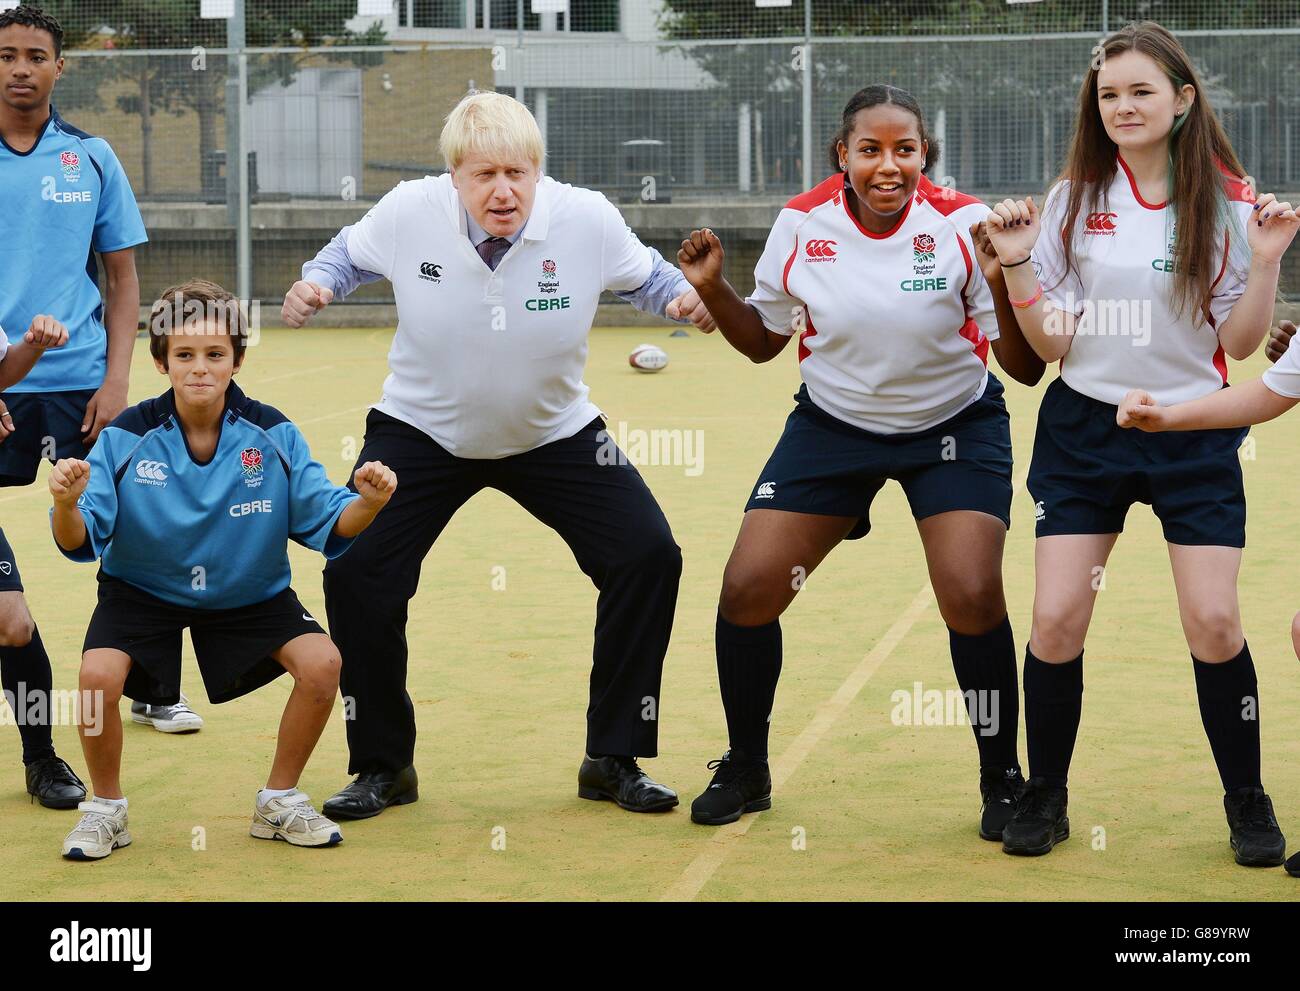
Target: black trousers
x,y
604,512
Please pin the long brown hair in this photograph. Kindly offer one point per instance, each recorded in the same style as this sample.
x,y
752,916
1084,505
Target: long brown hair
x,y
1200,155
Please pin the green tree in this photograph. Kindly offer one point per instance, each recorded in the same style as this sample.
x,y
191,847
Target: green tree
x,y
191,81
1009,100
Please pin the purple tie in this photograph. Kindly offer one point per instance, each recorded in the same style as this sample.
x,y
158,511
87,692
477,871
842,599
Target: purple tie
x,y
491,251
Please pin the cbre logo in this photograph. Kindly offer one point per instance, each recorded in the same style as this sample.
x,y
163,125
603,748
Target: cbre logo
x,y
1100,223
819,250
151,471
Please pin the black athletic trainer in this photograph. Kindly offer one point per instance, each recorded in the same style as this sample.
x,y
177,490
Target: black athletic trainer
x,y
1040,821
740,784
1253,830
1293,865
1000,789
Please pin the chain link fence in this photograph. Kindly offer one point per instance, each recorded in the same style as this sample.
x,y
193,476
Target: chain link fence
x,y
685,112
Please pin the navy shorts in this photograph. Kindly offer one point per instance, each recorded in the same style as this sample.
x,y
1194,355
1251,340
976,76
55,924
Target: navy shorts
x,y
10,580
1087,471
825,466
45,423
233,646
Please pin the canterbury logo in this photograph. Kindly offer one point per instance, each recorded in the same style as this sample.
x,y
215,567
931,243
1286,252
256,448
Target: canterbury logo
x,y
1100,223
766,491
820,249
152,470
430,270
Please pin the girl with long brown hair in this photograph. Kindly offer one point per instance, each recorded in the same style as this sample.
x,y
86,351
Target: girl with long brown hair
x,y
1152,259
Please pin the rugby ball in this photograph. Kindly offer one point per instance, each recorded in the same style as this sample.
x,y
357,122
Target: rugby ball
x,y
648,358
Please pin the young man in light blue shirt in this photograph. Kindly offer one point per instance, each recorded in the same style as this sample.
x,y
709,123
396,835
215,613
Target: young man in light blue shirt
x,y
67,208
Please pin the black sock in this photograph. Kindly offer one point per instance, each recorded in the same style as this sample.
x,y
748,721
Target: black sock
x,y
1228,695
749,664
986,665
26,669
1053,705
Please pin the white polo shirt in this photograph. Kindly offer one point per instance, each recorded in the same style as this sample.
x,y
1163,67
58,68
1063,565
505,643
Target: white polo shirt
x,y
894,328
1128,335
1284,377
489,363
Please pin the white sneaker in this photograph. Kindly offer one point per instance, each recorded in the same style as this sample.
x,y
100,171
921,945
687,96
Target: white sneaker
x,y
292,818
178,718
101,830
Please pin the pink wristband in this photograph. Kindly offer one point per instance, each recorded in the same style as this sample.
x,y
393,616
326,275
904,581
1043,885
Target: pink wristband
x,y
1021,304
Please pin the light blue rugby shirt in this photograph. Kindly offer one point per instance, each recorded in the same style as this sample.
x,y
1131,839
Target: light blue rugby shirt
x,y
60,203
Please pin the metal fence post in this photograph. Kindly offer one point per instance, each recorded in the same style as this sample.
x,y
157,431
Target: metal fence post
x,y
245,244
237,192
807,97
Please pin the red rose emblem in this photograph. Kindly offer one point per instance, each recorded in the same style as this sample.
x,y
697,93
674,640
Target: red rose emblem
x,y
923,244
70,158
251,459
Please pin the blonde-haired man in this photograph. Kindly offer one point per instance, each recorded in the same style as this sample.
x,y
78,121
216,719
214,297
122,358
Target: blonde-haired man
x,y
497,270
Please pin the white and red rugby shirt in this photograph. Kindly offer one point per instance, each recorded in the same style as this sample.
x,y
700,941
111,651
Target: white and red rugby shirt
x,y
1128,335
894,328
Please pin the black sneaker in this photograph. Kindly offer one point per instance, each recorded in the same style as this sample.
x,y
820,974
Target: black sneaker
x,y
1000,790
55,785
740,784
1040,821
1293,865
1253,830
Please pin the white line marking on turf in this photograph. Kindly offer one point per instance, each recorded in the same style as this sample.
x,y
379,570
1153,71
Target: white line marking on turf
x,y
700,870
726,838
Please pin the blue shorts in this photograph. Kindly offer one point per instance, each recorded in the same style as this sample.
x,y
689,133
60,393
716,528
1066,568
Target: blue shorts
x,y
825,466
45,424
1087,471
10,580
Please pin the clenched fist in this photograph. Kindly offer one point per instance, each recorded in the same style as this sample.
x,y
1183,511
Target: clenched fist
x,y
375,483
700,258
1279,339
46,332
68,480
1013,228
303,300
1139,409
687,306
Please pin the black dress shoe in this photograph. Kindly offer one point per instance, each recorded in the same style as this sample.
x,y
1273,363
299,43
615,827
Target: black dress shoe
x,y
54,784
373,791
620,780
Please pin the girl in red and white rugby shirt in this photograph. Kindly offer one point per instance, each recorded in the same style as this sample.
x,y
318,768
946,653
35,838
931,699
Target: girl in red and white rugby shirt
x,y
876,271
1155,261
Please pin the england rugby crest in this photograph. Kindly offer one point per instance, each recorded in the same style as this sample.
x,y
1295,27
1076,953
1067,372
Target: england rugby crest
x,y
70,161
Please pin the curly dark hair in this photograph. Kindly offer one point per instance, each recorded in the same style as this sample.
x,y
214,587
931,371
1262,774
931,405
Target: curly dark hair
x,y
34,17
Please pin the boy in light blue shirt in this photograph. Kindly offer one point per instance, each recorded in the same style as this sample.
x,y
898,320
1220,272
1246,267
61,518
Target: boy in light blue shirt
x,y
189,501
